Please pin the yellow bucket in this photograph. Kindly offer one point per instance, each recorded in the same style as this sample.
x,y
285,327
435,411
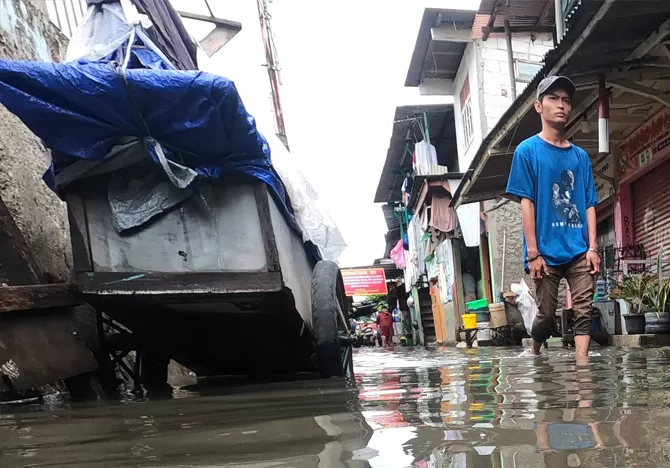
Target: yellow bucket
x,y
469,321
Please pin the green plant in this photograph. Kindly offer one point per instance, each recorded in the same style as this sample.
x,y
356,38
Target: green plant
x,y
379,300
633,290
658,290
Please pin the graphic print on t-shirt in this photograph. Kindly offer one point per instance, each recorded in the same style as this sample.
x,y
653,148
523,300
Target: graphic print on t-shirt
x,y
561,197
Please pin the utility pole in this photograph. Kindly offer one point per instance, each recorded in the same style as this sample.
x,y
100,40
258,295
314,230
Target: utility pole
x,y
273,69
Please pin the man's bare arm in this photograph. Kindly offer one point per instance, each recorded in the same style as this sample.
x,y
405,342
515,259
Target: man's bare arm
x,y
592,227
537,266
528,219
592,258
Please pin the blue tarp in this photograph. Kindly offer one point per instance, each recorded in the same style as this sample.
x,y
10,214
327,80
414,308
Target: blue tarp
x,y
80,110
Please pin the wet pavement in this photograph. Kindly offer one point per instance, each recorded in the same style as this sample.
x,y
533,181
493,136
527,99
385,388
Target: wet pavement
x,y
486,407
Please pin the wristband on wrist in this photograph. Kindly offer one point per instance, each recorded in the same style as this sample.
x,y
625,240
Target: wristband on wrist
x,y
532,259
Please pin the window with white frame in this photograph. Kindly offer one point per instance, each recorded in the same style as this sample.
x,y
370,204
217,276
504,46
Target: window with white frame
x,y
466,114
468,127
526,71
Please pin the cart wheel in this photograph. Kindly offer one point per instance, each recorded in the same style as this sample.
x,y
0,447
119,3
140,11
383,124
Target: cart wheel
x,y
330,321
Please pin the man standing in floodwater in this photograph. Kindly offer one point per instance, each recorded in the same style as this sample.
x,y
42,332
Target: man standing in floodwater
x,y
554,180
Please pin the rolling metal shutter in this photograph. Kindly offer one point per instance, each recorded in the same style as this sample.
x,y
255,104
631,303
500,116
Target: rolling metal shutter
x,y
651,210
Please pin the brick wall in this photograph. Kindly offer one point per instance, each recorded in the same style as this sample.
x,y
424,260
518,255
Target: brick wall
x,y
27,34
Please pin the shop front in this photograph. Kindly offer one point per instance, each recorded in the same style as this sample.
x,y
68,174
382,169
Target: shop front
x,y
643,209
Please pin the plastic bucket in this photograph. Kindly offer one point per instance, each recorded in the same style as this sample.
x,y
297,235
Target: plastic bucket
x,y
498,317
484,335
469,321
478,304
482,315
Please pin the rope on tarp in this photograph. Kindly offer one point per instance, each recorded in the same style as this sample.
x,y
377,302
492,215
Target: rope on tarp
x,y
186,174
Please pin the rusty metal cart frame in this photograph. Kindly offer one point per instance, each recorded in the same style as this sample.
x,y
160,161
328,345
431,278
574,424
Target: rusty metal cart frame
x,y
288,315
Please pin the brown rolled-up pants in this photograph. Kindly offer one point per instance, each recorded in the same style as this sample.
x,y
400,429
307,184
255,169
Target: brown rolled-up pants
x,y
582,286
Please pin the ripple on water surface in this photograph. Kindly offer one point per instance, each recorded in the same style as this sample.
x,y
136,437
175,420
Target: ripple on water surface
x,y
408,408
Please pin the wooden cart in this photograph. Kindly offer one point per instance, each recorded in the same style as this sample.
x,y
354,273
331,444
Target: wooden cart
x,y
221,284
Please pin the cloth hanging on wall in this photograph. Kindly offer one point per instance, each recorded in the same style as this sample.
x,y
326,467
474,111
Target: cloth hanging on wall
x,y
468,218
443,217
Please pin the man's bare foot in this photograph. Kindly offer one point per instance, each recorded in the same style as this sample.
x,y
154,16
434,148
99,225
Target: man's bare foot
x,y
535,347
581,360
582,343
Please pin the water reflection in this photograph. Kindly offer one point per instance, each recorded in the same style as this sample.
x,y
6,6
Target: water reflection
x,y
492,407
487,407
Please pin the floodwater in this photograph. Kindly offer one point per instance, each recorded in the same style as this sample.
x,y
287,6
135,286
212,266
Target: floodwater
x,y
486,407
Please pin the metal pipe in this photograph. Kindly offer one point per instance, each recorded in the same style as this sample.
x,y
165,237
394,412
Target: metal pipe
x,y
58,21
560,24
510,60
603,117
67,19
426,127
273,69
502,267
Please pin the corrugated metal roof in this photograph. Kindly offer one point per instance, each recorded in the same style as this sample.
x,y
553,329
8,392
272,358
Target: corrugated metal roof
x,y
390,217
437,59
520,13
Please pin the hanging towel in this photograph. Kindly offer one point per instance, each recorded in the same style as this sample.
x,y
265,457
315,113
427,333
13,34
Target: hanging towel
x,y
443,217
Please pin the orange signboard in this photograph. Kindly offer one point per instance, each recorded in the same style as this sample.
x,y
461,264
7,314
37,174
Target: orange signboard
x,y
364,281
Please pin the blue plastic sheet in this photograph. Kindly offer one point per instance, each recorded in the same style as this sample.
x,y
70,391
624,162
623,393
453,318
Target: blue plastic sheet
x,y
81,109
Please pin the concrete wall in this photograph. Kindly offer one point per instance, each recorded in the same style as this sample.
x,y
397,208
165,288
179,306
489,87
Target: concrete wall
x,y
496,97
436,87
506,219
26,33
468,69
496,80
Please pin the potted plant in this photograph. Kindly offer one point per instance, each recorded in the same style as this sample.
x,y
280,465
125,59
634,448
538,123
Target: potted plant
x,y
657,316
633,290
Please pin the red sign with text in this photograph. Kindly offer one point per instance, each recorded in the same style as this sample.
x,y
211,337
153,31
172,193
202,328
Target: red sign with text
x,y
364,281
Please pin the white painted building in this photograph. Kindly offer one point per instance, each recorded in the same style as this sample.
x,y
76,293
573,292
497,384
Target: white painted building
x,y
465,56
482,87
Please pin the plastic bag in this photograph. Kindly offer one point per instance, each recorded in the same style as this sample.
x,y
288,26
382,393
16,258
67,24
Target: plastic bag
x,y
314,220
525,303
398,255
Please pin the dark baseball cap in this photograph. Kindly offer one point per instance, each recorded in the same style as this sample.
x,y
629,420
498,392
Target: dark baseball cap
x,y
553,82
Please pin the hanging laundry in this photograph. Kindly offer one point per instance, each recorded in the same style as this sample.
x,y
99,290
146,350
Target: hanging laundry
x,y
443,217
424,158
468,219
432,269
468,216
432,239
398,255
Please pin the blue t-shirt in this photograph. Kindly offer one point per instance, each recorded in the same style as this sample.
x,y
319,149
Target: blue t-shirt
x,y
559,181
